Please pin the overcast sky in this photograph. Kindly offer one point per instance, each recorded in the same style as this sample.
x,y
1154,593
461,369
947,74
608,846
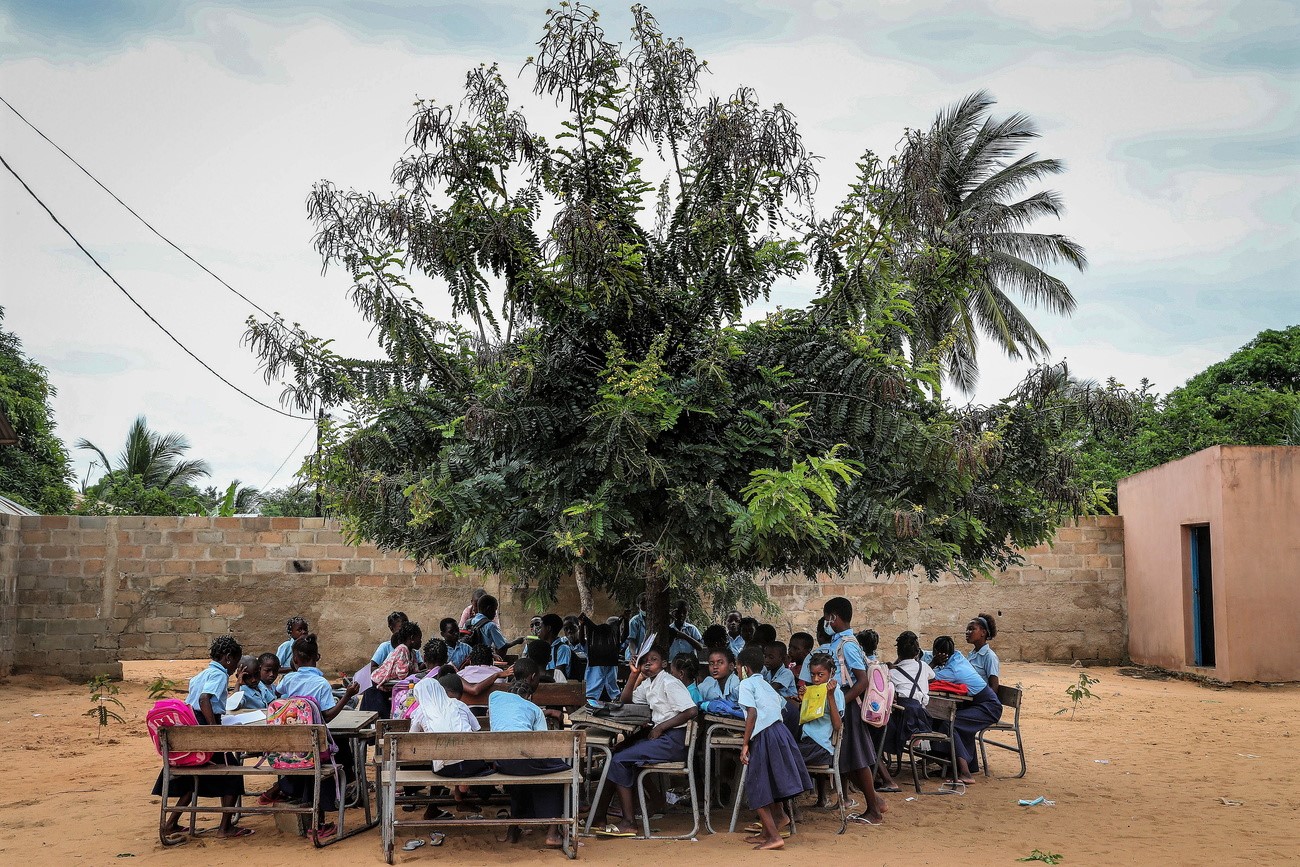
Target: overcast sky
x,y
1177,120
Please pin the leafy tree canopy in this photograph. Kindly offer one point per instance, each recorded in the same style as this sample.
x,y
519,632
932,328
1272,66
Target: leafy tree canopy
x,y
35,471
608,415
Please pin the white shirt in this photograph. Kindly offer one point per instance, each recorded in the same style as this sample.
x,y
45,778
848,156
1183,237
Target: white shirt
x,y
901,673
666,695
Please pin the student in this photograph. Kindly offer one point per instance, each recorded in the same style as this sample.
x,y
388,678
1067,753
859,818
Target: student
x,y
457,650
577,647
514,711
253,693
381,654
748,632
823,644
439,709
297,628
911,678
735,640
401,663
636,629
684,636
722,681
815,743
560,652
973,716
472,608
979,632
436,657
601,676
776,673
671,709
686,668
715,636
869,641
207,696
776,767
764,634
857,757
801,644
483,627
307,681
268,669
478,674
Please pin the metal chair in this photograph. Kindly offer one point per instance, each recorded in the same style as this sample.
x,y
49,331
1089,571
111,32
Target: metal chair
x,y
602,742
832,772
1010,696
686,769
944,712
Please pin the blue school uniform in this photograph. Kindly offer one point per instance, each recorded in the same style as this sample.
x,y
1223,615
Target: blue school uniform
x,y
973,716
214,681
710,690
284,653
985,662
458,654
601,682
636,632
776,768
514,713
561,656
257,697
492,636
681,645
959,670
856,748
736,644
309,682
382,652
781,680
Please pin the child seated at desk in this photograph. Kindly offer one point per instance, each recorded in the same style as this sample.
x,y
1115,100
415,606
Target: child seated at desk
x,y
815,741
297,628
478,676
439,709
375,699
776,767
253,693
722,681
514,711
686,668
973,716
457,650
671,709
207,697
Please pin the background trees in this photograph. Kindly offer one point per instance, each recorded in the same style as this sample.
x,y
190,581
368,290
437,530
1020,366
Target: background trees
x,y
35,472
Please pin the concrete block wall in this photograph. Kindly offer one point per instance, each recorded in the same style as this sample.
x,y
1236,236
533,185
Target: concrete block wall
x,y
9,551
91,591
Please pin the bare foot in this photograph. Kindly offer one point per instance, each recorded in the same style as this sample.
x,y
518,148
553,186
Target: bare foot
x,y
511,835
778,843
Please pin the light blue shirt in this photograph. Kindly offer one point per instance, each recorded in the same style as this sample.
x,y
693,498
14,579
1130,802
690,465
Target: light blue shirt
x,y
458,653
819,731
757,693
212,681
257,697
561,655
710,690
681,645
309,682
635,633
284,653
736,644
958,670
847,643
985,662
492,636
382,652
508,712
781,680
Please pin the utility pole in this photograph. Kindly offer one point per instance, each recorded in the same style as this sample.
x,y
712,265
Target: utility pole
x,y
320,416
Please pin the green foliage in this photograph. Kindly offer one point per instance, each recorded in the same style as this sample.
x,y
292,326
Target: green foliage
x,y
128,495
292,501
150,476
103,698
1080,691
1250,398
1045,857
237,499
161,687
611,416
35,472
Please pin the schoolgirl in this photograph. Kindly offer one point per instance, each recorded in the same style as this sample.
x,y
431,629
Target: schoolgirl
x,y
722,681
979,632
514,711
776,767
857,755
911,677
973,716
297,628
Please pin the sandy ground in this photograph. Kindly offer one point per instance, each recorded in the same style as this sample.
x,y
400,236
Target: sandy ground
x,y
1137,778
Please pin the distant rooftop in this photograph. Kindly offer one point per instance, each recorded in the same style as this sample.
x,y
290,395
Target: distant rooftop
x,y
9,507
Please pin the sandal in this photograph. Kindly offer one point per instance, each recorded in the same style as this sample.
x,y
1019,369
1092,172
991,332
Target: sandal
x,y
613,831
413,844
325,833
267,799
862,819
888,790
238,832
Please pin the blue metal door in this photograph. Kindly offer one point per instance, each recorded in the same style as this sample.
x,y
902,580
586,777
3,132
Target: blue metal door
x,y
1198,539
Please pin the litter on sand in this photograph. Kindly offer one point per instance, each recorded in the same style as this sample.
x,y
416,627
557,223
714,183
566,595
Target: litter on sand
x,y
1248,755
1102,761
1228,802
1040,801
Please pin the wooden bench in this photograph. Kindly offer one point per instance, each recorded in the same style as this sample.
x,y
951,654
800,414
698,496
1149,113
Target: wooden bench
x,y
307,739
401,749
558,695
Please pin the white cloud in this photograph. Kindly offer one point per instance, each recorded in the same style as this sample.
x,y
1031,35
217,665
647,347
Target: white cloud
x,y
1056,17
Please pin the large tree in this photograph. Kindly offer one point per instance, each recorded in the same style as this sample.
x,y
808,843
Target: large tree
x,y
158,459
608,415
35,471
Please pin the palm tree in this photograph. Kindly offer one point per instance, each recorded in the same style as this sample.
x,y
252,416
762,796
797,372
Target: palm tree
x,y
968,251
236,499
158,459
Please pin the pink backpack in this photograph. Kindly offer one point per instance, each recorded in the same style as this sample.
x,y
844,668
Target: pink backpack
x,y
878,701
297,710
173,712
404,701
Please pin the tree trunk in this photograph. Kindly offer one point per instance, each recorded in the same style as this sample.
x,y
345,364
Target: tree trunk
x,y
656,598
584,590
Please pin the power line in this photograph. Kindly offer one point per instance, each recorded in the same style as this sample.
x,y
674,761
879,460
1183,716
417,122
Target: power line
x,y
287,458
133,213
140,306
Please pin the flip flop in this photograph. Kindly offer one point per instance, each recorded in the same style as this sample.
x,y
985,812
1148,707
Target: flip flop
x,y
888,790
177,837
613,831
326,833
413,844
436,838
861,819
239,832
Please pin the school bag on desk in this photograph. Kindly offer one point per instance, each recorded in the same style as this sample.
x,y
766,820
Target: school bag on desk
x,y
298,710
173,712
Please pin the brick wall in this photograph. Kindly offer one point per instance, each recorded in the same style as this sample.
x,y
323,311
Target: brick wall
x,y
92,591
8,589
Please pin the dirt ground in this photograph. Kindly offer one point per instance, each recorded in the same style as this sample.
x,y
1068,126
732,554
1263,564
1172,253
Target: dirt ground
x,y
1140,775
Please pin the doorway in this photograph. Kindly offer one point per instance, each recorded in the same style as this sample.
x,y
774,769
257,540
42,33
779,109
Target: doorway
x,y
1198,543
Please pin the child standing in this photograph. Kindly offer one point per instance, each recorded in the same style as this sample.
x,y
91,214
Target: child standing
x,y
297,628
776,768
601,677
207,696
483,628
857,756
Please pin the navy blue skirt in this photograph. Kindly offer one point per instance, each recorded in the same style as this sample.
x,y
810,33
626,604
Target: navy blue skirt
x,y
856,749
534,802
776,768
908,719
671,747
982,711
814,754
